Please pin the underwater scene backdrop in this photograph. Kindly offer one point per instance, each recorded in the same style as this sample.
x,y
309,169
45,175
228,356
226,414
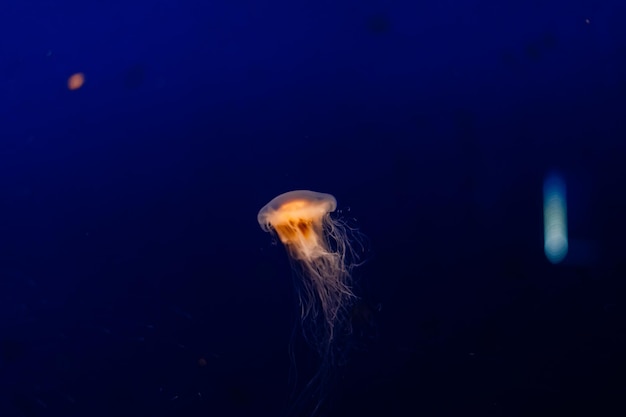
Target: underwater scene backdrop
x,y
476,153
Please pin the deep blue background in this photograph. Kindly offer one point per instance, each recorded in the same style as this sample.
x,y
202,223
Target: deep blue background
x,y
135,281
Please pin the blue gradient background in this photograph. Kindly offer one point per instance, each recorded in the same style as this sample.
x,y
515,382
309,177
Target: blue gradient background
x,y
129,248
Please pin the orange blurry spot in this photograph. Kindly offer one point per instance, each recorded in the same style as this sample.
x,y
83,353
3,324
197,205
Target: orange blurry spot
x,y
202,362
76,81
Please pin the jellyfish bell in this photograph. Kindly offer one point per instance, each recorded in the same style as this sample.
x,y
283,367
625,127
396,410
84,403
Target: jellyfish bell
x,y
317,245
298,218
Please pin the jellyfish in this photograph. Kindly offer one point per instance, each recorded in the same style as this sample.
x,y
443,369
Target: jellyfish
x,y
322,256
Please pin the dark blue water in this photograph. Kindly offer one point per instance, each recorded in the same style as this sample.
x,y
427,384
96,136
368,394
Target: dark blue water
x,y
135,280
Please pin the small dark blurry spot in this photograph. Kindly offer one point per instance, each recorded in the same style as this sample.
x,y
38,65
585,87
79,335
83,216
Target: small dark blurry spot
x,y
533,51
430,327
363,320
11,350
239,396
538,48
549,40
11,68
134,77
26,406
513,268
464,119
529,296
489,339
379,24
508,59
